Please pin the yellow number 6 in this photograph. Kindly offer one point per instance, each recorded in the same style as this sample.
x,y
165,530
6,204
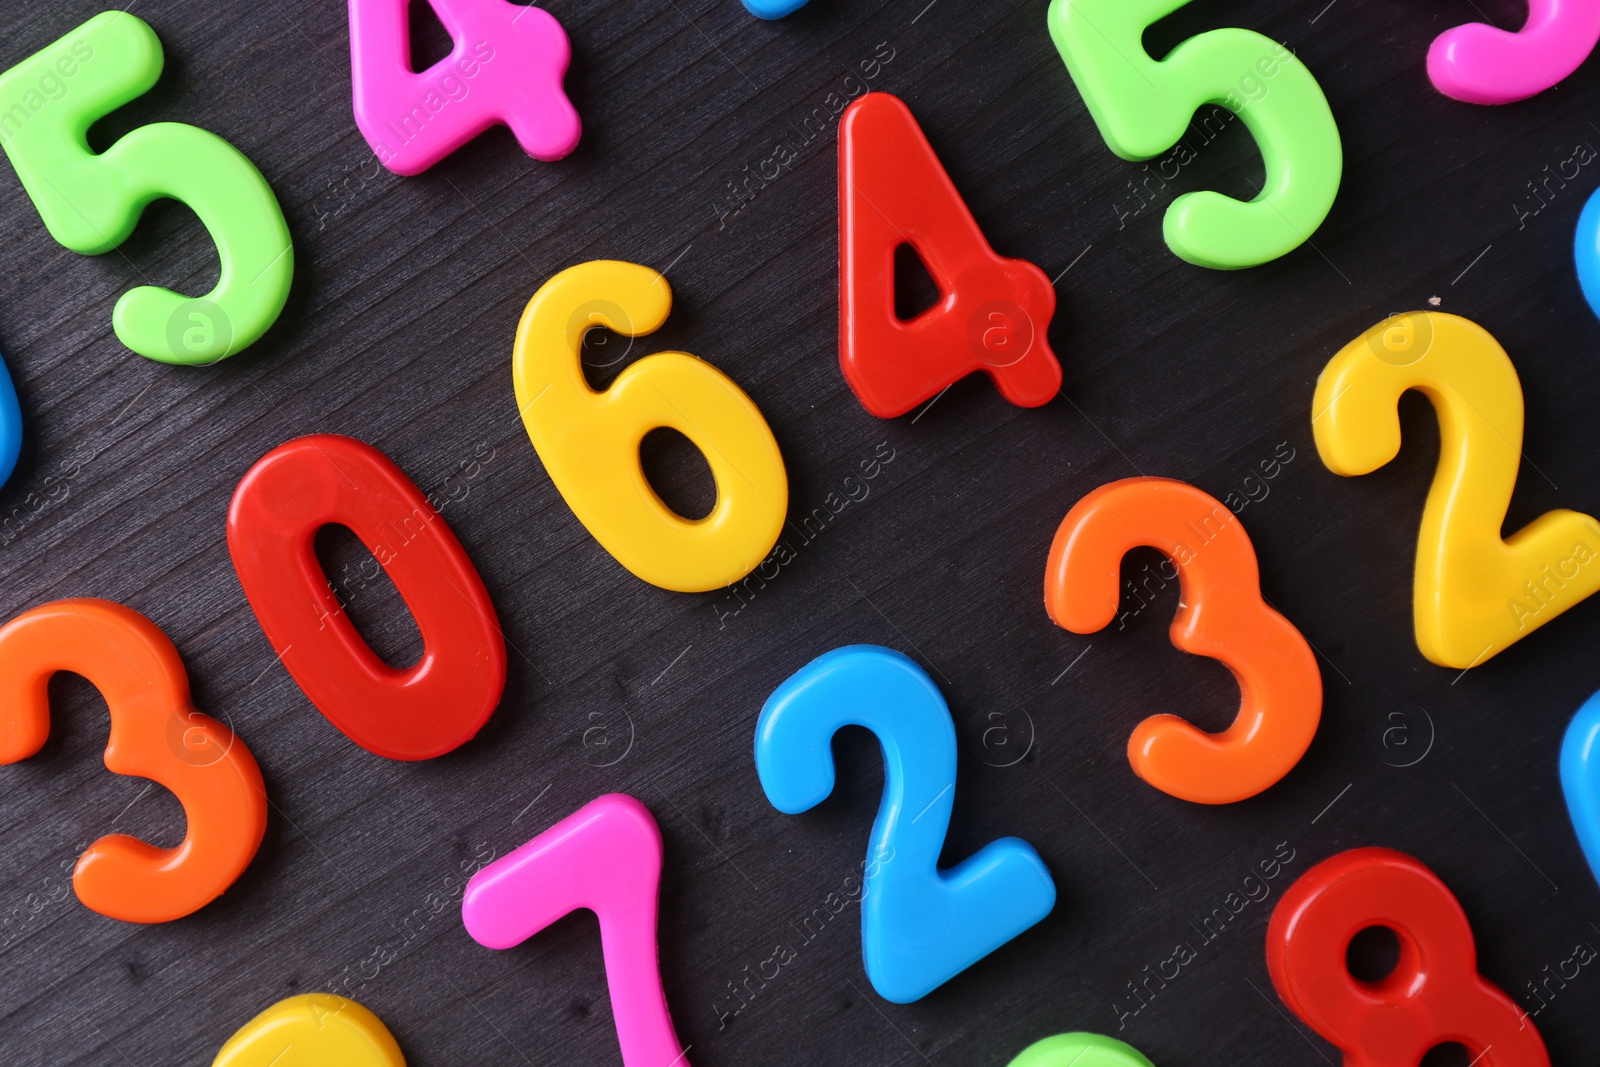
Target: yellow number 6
x,y
589,441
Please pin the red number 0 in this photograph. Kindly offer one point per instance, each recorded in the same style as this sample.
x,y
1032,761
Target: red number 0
x,y
420,712
1434,994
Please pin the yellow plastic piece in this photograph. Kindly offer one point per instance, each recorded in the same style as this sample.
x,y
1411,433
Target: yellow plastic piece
x,y
589,441
312,1030
1474,594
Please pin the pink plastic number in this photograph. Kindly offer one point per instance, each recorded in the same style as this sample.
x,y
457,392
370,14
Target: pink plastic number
x,y
1480,64
506,67
606,857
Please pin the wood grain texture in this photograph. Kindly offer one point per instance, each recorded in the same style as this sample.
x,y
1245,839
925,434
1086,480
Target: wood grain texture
x,y
399,332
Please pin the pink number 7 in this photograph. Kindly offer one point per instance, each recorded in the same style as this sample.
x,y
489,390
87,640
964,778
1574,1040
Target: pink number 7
x,y
506,67
606,857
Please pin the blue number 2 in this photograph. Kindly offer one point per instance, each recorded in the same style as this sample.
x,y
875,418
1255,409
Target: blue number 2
x,y
773,9
10,425
920,926
1580,777
1586,249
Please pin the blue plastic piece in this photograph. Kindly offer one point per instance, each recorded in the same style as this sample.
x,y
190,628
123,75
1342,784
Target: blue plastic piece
x,y
920,926
1580,772
773,9
10,425
1586,250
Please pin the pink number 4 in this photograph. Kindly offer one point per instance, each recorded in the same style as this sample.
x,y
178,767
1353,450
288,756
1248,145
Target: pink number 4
x,y
506,67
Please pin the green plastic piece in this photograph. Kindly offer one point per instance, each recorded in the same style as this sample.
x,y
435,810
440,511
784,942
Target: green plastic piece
x,y
1079,1050
91,203
1143,107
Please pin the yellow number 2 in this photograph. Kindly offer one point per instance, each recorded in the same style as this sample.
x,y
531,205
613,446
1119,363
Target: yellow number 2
x,y
1475,594
589,441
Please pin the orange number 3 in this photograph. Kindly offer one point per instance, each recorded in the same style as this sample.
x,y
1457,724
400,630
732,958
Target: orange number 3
x,y
1221,614
155,733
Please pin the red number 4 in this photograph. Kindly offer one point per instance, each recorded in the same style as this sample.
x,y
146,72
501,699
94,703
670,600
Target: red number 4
x,y
992,314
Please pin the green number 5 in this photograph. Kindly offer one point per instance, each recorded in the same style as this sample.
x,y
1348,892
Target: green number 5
x,y
91,203
1143,108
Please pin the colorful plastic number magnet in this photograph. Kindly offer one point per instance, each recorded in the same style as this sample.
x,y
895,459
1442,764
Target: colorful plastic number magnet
x,y
606,857
589,441
1580,778
155,733
10,425
993,313
1434,994
91,203
312,1030
506,68
1221,614
1586,250
920,926
424,710
1480,64
1079,1050
1143,107
773,9
1475,594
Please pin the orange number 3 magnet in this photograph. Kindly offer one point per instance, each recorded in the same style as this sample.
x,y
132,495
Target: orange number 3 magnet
x,y
1221,614
155,733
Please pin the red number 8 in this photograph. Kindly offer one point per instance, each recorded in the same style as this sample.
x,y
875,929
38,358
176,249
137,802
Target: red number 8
x,y
1434,994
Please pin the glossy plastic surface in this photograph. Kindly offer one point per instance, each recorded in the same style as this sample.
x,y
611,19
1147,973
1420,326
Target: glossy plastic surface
x,y
1079,1050
1482,64
411,713
91,203
506,68
155,733
1580,779
589,441
605,857
1221,614
1474,593
993,314
1434,994
773,9
1586,251
312,1030
10,424
920,926
1143,107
